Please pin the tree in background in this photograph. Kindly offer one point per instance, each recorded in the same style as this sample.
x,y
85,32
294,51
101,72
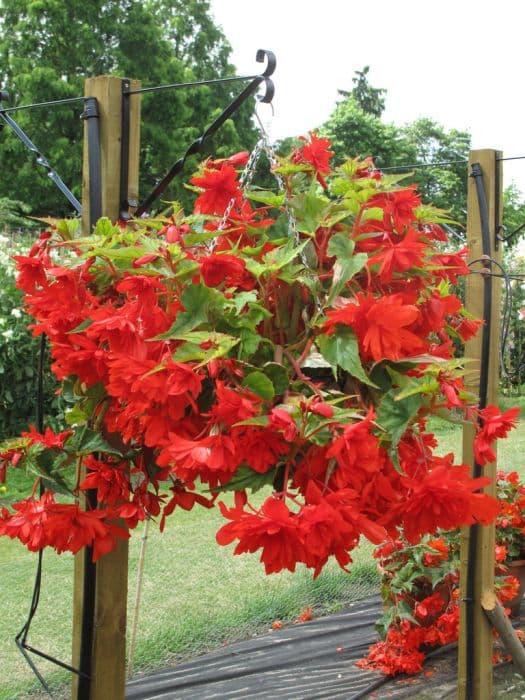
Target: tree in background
x,y
48,47
369,98
356,128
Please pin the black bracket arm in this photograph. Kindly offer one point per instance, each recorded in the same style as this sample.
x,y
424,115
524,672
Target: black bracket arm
x,y
92,116
40,158
197,145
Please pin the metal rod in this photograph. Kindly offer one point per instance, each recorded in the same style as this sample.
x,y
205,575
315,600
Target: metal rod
x,y
51,103
42,160
198,83
124,151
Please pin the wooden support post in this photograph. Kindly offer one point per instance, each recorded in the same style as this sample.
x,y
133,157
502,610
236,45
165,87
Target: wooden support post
x,y
108,92
481,663
99,635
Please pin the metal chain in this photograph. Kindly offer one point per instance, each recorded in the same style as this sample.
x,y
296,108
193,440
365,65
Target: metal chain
x,y
245,181
263,145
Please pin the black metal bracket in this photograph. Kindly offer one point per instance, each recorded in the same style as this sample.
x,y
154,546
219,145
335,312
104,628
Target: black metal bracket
x,y
264,77
91,115
125,201
477,174
40,158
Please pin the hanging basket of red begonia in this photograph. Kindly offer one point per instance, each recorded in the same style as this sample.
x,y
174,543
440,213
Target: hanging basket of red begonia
x,y
296,343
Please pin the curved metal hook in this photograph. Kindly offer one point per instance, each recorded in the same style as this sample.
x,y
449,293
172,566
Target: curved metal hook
x,y
269,91
271,62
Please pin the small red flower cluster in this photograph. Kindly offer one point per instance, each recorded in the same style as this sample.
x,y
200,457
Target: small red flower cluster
x,y
228,351
420,585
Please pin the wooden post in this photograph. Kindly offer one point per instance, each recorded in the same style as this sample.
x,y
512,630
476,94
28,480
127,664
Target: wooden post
x,y
106,622
108,92
484,571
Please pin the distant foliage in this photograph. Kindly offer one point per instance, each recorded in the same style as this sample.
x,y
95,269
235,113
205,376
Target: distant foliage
x,y
13,215
18,351
48,48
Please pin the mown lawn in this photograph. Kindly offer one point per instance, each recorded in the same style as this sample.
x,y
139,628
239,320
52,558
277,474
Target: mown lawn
x,y
196,595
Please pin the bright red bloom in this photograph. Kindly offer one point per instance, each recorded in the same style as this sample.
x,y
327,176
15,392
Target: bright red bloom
x,y
356,452
445,498
500,553
450,266
110,479
220,185
29,522
401,204
508,589
260,448
182,498
397,257
316,153
31,273
70,528
273,529
217,269
381,326
495,424
398,206
468,327
49,438
213,458
233,405
282,420
320,407
451,387
429,558
332,524
9,457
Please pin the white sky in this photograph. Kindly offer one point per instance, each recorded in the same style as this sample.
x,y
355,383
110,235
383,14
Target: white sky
x,y
460,62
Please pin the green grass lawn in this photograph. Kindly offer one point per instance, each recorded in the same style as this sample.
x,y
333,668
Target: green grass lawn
x,y
196,595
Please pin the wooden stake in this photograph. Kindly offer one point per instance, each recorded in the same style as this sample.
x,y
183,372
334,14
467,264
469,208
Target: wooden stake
x,y
107,626
484,571
138,595
496,616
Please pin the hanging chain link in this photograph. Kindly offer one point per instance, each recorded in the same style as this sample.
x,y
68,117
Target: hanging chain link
x,y
263,145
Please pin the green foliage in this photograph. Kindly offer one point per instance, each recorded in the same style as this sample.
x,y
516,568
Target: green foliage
x,y
513,216
356,128
426,141
18,353
353,132
369,98
13,215
48,48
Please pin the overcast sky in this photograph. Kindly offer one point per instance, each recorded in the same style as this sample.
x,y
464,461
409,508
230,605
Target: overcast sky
x,y
460,62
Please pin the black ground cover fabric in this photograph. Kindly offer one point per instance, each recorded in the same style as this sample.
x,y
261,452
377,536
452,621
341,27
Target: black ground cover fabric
x,y
306,661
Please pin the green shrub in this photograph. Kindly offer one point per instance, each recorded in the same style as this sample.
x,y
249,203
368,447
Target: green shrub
x,y
19,351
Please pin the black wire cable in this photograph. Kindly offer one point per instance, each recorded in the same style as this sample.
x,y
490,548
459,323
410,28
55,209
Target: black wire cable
x,y
511,235
417,166
51,103
477,174
21,637
499,160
